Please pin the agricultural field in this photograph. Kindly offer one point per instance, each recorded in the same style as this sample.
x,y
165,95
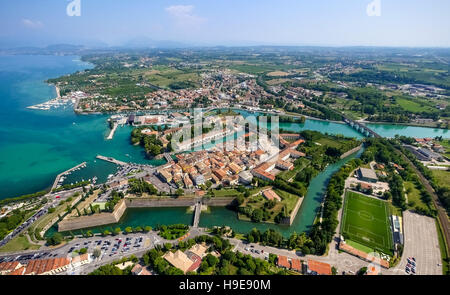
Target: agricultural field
x,y
415,105
365,221
166,77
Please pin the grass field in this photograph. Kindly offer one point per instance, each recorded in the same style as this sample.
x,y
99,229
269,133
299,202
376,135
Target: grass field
x,y
226,193
414,106
366,221
19,243
414,195
441,177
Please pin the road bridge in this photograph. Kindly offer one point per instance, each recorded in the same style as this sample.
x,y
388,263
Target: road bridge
x,y
362,128
198,210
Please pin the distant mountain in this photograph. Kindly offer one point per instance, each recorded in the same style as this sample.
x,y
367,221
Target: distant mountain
x,y
143,42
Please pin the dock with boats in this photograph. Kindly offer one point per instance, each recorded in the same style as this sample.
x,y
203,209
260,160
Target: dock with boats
x,y
60,178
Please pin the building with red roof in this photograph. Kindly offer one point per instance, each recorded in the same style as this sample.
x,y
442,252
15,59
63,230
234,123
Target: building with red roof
x,y
318,268
283,262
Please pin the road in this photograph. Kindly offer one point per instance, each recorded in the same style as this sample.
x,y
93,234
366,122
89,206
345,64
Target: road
x,y
41,212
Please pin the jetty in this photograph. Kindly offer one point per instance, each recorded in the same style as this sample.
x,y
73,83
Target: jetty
x,y
111,160
111,133
55,183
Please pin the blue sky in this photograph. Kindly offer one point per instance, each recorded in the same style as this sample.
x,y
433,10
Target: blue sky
x,y
227,22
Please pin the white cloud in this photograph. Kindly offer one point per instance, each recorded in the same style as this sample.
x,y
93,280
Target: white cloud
x,y
183,15
32,24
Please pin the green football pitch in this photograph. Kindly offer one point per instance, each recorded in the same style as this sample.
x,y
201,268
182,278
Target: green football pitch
x,y
365,220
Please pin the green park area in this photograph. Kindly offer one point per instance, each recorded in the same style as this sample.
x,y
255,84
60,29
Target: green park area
x,y
365,220
257,208
19,243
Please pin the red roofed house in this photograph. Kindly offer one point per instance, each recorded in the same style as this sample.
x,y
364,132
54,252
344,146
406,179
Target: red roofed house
x,y
7,267
283,262
296,265
271,195
318,268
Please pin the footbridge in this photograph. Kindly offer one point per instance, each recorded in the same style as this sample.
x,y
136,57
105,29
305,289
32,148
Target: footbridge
x,y
168,158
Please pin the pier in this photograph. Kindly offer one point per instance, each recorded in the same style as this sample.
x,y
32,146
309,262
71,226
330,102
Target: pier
x,y
111,160
55,183
111,133
198,210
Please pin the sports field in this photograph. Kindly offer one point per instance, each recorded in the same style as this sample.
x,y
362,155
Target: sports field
x,y
365,220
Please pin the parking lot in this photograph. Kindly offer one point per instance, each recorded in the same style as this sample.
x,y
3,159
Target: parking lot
x,y
421,243
111,248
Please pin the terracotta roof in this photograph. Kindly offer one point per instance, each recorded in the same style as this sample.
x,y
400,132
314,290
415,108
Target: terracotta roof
x,y
296,264
46,265
9,266
259,152
271,195
17,272
80,258
283,262
361,254
320,268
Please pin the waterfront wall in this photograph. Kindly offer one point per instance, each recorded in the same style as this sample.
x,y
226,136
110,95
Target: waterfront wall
x,y
75,223
289,220
54,220
155,203
218,202
352,151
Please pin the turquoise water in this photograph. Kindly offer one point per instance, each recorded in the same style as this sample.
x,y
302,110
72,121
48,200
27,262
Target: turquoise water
x,y
389,130
36,145
141,217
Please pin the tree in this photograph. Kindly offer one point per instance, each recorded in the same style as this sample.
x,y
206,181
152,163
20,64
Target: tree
x,y
147,228
179,192
56,239
128,230
257,215
117,231
106,233
96,253
212,260
167,246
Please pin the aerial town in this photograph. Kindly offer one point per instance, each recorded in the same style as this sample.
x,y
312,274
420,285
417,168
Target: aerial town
x,y
224,160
